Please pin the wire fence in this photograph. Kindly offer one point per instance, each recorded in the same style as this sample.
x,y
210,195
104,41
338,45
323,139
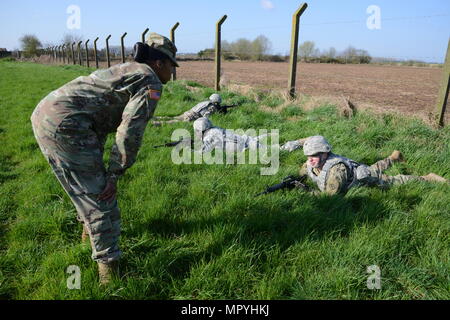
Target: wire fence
x,y
87,53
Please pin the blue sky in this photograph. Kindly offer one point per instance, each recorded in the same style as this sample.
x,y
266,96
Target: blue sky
x,y
409,29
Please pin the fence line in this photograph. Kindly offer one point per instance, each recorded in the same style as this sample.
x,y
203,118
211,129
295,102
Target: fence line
x,y
62,53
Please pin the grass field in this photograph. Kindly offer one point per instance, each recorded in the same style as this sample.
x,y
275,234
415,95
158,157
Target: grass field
x,y
197,232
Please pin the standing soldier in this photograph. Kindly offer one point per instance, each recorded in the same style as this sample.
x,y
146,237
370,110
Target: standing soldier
x,y
335,174
202,109
71,125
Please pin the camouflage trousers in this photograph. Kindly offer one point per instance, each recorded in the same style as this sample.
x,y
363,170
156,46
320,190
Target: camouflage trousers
x,y
379,179
83,183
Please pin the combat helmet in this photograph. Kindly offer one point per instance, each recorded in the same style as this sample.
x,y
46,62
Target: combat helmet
x,y
163,45
202,124
215,98
316,144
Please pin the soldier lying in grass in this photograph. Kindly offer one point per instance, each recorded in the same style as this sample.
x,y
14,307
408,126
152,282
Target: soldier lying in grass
x,y
202,109
213,137
334,174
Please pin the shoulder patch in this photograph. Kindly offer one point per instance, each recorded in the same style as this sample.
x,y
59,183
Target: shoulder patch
x,y
154,94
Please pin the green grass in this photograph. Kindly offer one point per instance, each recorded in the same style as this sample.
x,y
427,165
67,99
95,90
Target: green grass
x,y
196,232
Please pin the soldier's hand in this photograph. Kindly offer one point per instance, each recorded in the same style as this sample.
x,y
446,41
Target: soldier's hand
x,y
291,146
109,193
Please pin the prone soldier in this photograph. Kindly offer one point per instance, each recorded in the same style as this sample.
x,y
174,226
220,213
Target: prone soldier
x,y
213,137
202,109
334,174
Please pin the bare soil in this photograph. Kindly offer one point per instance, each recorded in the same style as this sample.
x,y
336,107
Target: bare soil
x,y
408,90
411,91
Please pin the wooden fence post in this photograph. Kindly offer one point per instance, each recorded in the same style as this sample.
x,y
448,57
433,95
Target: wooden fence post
x,y
79,53
123,47
218,50
95,52
294,48
87,53
107,51
73,53
63,49
444,90
143,35
172,38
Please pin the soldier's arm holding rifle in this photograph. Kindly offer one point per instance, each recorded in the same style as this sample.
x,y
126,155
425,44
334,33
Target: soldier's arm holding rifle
x,y
289,182
337,178
224,108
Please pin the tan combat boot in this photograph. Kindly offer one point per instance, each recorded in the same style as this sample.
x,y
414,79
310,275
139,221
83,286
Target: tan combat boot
x,y
432,177
397,156
84,234
106,271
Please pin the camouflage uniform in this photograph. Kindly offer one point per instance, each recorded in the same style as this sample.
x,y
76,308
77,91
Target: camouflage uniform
x,y
292,145
345,174
202,109
71,125
219,138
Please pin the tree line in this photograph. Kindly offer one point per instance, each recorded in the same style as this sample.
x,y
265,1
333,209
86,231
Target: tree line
x,y
309,53
259,50
242,49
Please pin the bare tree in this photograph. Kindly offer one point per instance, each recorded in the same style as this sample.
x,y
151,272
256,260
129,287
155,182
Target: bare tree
x,y
260,47
242,48
307,50
353,55
331,53
70,38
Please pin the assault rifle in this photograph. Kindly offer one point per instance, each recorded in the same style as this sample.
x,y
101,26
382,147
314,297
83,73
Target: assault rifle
x,y
174,143
224,109
290,182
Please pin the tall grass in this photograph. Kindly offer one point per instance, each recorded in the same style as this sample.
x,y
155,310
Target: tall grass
x,y
197,232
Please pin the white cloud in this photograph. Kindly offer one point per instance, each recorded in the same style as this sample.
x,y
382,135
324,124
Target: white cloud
x,y
267,4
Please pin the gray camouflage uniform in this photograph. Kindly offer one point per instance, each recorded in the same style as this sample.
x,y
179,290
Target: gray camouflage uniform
x,y
218,138
202,109
71,125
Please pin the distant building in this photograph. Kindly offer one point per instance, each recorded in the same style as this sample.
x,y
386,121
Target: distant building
x,y
4,53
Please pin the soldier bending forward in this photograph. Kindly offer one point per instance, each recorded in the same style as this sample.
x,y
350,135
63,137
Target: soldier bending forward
x,y
71,125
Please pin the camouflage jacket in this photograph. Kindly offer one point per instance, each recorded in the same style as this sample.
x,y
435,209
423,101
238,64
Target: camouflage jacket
x,y
337,180
120,99
228,140
201,109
